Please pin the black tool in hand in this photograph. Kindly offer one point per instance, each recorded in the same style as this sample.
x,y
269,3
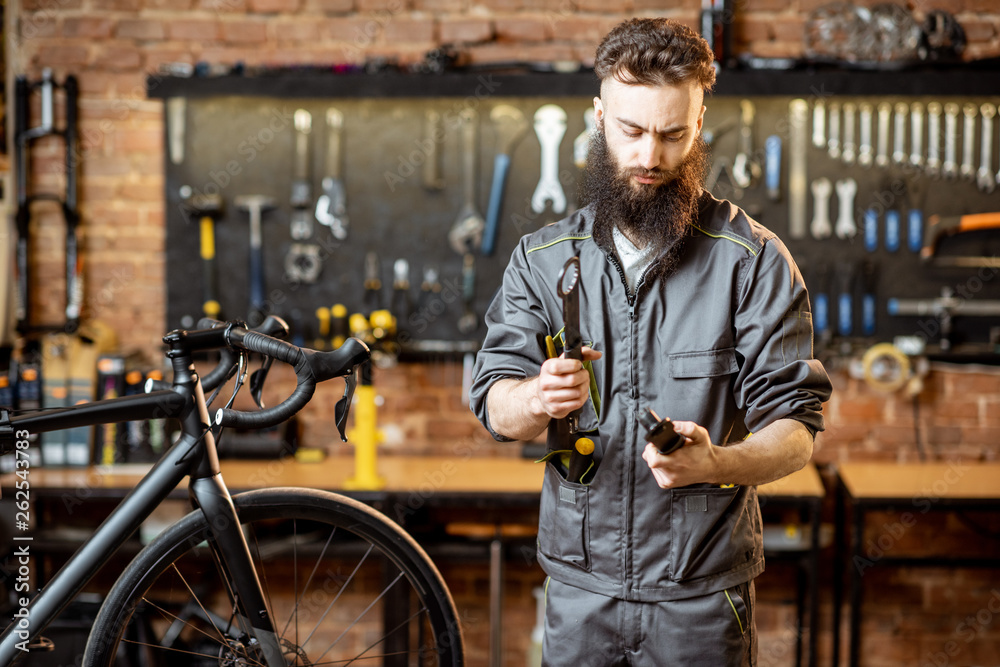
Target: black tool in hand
x,y
660,432
567,290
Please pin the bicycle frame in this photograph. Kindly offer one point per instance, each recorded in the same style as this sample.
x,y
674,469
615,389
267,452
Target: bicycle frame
x,y
193,455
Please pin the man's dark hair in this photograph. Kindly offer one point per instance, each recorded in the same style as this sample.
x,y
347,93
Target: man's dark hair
x,y
655,52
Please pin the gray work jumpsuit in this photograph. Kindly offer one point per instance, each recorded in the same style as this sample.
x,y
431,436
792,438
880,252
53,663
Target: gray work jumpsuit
x,y
724,340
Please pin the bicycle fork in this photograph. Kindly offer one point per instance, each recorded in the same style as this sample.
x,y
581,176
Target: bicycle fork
x,y
233,557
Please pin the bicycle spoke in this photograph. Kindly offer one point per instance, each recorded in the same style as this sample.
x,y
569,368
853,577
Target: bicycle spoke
x,y
197,599
404,624
339,593
362,614
174,650
221,639
295,609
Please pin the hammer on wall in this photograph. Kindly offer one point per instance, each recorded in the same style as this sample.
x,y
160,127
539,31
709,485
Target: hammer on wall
x,y
255,205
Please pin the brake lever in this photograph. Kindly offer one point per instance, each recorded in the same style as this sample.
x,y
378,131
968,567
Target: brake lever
x,y
343,406
257,379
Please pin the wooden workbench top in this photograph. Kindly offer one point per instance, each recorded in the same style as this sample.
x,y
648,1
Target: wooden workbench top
x,y
402,474
958,480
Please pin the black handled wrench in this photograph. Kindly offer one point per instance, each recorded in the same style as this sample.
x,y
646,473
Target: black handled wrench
x,y
566,288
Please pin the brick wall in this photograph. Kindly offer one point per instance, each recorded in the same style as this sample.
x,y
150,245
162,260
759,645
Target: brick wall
x,y
111,45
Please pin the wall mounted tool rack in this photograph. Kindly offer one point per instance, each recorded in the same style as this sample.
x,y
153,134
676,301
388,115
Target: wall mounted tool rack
x,y
239,139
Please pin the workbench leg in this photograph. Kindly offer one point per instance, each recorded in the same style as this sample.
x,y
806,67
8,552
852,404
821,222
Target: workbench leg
x,y
856,542
496,600
815,508
838,567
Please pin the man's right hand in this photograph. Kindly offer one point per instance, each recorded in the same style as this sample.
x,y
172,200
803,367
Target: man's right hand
x,y
563,385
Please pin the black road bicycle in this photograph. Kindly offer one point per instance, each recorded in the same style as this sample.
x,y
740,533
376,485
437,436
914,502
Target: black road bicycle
x,y
275,577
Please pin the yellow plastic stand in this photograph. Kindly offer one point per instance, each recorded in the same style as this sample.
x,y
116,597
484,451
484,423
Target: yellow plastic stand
x,y
366,437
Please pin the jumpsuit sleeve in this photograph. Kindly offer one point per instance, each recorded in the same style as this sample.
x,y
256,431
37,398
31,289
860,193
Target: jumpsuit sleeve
x,y
511,349
778,376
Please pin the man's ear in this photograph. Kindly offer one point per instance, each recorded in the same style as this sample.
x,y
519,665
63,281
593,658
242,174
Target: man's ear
x,y
701,117
598,110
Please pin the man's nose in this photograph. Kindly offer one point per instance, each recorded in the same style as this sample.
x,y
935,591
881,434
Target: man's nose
x,y
649,153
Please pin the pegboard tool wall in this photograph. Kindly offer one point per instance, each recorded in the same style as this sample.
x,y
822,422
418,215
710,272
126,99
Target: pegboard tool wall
x,y
238,145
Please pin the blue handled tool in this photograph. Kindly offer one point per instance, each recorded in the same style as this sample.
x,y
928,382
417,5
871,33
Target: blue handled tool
x,y
510,127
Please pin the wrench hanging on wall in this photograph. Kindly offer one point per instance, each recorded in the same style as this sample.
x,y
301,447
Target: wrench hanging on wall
x,y
302,263
331,207
550,127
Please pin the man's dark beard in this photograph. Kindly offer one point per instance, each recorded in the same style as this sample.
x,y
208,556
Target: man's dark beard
x,y
656,215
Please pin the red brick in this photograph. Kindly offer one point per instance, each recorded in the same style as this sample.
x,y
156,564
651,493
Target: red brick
x,y
35,26
175,5
967,384
58,55
223,6
579,29
117,5
788,30
343,29
329,6
302,31
244,32
954,410
978,30
452,5
117,57
534,29
403,30
274,6
391,7
85,26
194,30
140,29
46,5
464,30
142,192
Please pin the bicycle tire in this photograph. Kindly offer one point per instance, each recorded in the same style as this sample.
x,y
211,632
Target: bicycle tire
x,y
151,601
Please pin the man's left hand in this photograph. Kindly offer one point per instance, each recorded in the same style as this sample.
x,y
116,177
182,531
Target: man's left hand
x,y
693,463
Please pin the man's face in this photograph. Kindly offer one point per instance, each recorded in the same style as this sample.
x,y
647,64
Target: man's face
x,y
649,129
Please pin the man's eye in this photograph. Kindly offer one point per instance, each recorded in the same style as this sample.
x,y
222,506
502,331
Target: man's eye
x,y
631,134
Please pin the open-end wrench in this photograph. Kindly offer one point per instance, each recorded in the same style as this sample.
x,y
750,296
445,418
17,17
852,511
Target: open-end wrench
x,y
899,134
819,124
866,152
882,149
985,178
917,134
746,169
331,207
581,145
846,226
933,164
550,127
567,288
968,169
833,140
821,228
798,113
949,168
849,150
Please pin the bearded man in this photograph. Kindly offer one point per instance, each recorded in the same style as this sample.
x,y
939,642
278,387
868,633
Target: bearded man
x,y
688,307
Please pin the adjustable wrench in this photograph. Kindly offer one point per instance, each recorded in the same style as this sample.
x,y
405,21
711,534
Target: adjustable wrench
x,y
949,168
882,150
833,140
567,289
849,149
550,126
866,152
433,132
746,169
984,177
846,226
331,207
899,134
933,163
917,134
821,228
968,169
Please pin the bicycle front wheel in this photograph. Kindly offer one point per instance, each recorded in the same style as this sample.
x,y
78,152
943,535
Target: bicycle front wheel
x,y
344,584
